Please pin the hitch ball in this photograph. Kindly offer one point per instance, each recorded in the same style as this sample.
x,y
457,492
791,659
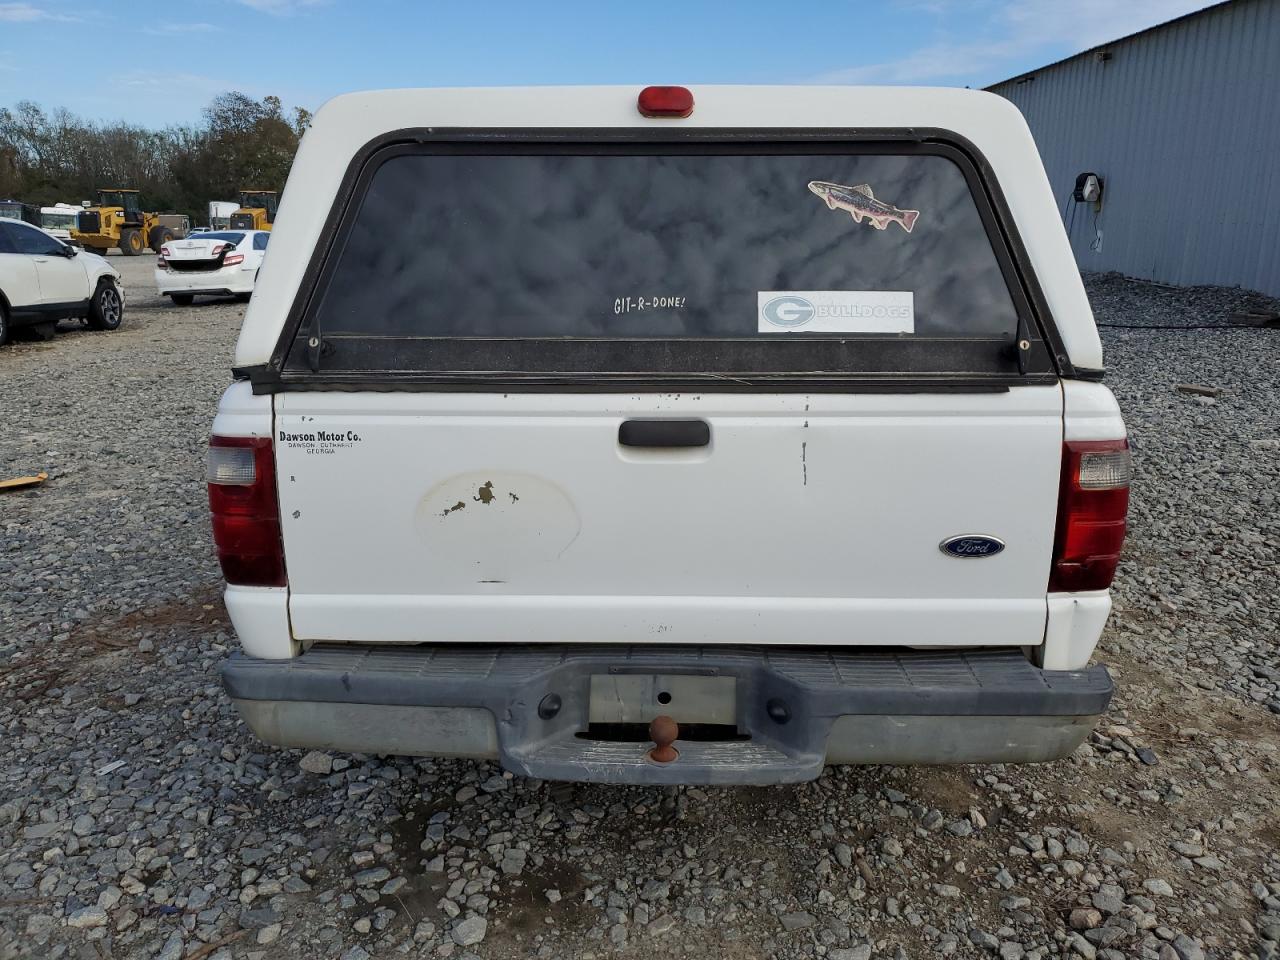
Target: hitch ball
x,y
663,731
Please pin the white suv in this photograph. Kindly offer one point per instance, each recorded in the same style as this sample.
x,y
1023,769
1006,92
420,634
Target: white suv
x,y
43,280
670,436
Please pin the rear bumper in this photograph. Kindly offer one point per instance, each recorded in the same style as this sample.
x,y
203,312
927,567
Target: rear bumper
x,y
799,709
224,282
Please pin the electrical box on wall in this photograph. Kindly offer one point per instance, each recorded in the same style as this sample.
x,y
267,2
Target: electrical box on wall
x,y
1088,188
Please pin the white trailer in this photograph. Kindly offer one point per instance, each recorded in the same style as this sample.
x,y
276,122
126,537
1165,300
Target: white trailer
x,y
220,212
59,220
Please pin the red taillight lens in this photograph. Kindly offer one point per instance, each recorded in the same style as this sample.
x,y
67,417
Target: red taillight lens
x,y
164,252
665,102
232,259
246,513
1092,505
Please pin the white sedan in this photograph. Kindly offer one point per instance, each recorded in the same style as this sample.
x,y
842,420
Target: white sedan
x,y
219,264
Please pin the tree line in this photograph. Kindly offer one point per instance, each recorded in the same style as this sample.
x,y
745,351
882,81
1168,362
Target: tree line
x,y
54,156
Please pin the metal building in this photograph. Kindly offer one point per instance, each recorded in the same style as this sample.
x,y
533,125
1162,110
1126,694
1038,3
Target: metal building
x,y
1182,124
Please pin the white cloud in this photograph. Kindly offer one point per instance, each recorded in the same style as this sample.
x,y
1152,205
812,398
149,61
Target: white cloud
x,y
282,8
144,80
1016,30
171,29
29,13
1087,23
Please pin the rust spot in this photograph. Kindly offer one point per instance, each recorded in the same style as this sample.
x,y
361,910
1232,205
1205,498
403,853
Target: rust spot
x,y
457,506
485,493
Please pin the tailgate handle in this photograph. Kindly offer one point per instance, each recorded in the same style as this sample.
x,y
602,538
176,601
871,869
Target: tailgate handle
x,y
664,433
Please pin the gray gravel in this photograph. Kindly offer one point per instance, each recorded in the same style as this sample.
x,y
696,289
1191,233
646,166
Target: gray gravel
x,y
138,818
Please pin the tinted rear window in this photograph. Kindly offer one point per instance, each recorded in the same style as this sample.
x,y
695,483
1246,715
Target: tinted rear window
x,y
667,246
692,258
231,237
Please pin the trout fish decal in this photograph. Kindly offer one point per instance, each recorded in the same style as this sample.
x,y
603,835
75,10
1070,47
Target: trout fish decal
x,y
862,204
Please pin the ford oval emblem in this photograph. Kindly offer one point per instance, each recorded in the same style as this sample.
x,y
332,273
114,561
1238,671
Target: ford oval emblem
x,y
971,545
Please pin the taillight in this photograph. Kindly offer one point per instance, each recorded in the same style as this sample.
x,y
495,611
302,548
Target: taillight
x,y
246,513
164,252
1092,505
161,263
232,259
675,102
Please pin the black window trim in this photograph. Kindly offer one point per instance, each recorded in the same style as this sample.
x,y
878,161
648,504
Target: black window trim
x,y
1045,362
56,248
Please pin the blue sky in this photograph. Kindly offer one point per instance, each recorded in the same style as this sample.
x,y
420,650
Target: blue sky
x,y
160,62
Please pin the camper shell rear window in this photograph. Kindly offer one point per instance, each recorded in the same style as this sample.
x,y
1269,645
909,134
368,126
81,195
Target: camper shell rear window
x,y
474,261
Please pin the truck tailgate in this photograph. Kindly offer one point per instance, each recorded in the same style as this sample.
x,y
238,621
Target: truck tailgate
x,y
807,519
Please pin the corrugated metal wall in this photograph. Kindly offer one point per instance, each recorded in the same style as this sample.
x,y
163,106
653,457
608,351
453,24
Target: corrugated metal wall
x,y
1183,124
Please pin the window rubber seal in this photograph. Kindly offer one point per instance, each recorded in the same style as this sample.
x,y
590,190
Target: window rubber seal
x,y
279,375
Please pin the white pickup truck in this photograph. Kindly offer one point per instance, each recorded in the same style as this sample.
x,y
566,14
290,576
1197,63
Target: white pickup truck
x,y
670,435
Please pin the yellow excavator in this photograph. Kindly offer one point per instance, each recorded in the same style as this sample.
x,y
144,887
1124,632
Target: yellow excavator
x,y
257,210
119,221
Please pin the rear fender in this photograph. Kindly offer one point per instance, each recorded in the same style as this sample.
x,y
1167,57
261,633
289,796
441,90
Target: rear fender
x,y
1076,620
260,615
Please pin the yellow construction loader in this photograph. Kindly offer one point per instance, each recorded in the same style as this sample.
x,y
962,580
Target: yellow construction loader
x,y
118,221
257,210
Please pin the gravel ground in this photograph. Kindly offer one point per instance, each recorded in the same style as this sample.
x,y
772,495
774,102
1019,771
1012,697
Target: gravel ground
x,y
139,818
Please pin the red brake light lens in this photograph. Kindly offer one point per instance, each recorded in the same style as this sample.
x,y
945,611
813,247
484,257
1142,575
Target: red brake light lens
x,y
246,512
674,102
233,259
1093,503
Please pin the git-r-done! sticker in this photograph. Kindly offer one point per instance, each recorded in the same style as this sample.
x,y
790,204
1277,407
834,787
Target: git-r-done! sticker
x,y
836,311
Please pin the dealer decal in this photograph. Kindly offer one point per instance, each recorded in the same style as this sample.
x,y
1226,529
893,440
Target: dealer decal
x,y
835,311
318,441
